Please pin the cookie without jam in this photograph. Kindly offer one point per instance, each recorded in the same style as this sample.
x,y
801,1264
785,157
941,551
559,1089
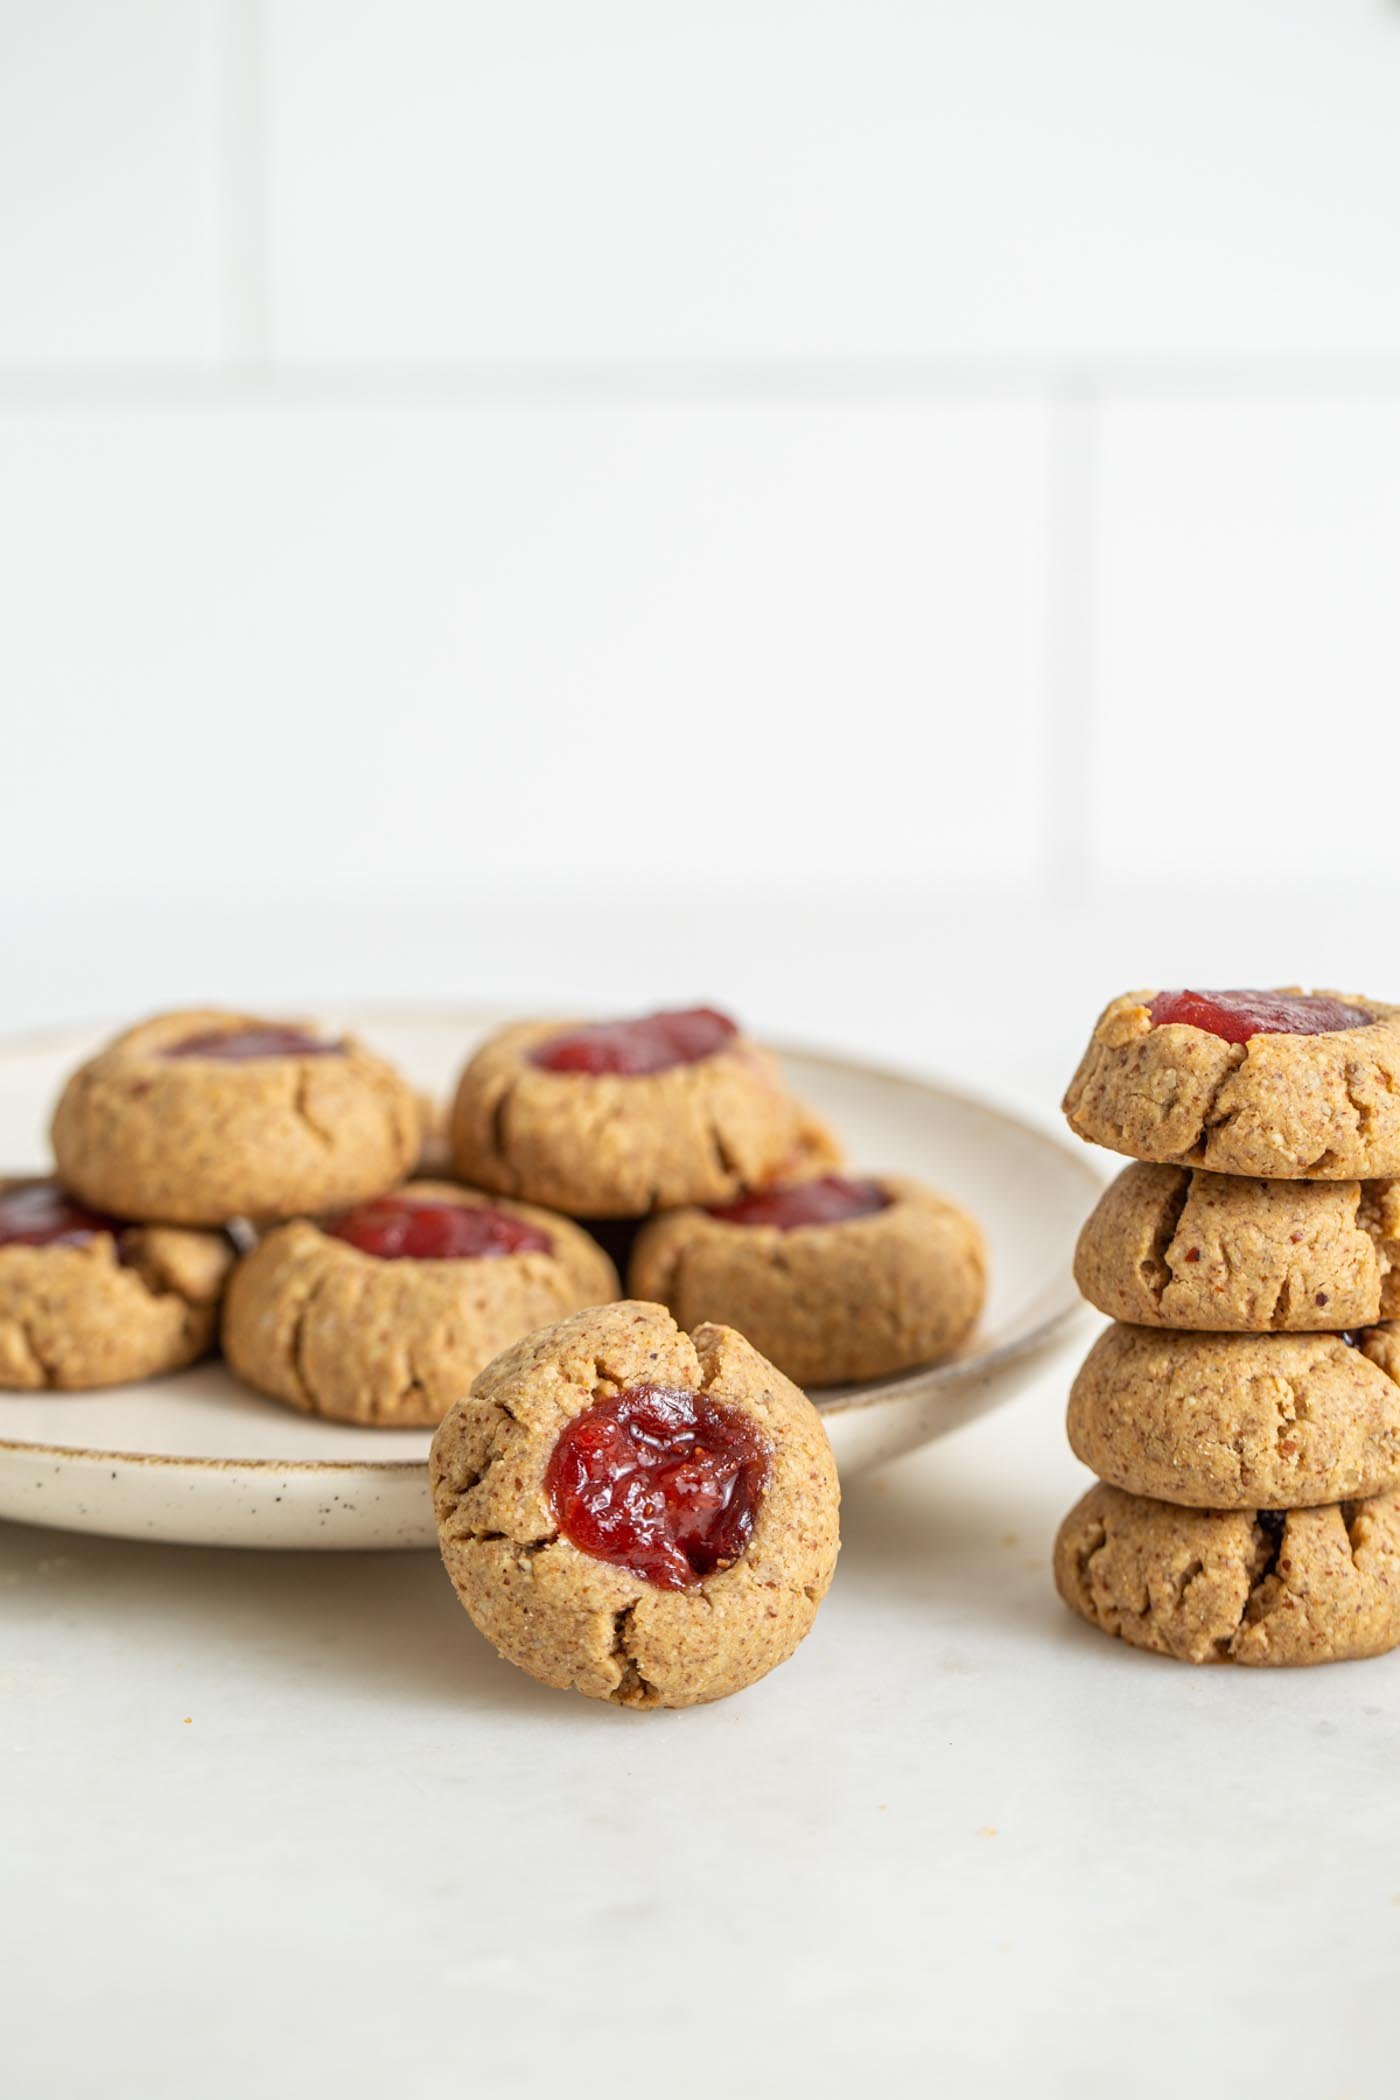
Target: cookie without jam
x,y
109,1311
614,1146
1177,1247
1240,1421
1203,1585
1299,1107
311,1320
585,1624
194,1140
829,1304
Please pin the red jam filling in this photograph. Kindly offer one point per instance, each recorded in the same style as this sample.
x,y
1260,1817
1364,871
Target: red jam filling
x,y
411,1228
41,1214
654,1043
829,1199
663,1482
237,1046
1236,1016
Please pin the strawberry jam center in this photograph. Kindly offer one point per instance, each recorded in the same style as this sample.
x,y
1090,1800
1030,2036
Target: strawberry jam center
x,y
41,1214
829,1199
664,1482
1237,1016
237,1046
413,1228
653,1043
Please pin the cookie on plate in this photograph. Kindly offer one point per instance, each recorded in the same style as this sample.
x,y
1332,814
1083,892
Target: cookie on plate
x,y
642,1515
1245,1586
834,1279
386,1314
614,1119
197,1118
1298,1085
1240,1421
1178,1247
88,1300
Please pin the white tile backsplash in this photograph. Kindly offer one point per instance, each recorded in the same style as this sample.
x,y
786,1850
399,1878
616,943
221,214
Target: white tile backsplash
x,y
111,164
759,178
732,647
969,467
1246,679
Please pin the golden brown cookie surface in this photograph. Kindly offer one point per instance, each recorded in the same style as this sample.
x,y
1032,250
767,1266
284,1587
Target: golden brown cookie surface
x,y
106,1307
1245,1586
314,1320
614,1144
1239,1421
1296,1106
828,1303
1179,1247
151,1130
578,1621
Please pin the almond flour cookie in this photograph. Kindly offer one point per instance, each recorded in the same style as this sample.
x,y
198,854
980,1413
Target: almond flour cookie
x,y
834,1280
386,1315
1239,1421
86,1300
1245,1586
1176,1247
642,1515
1290,1084
196,1118
614,1119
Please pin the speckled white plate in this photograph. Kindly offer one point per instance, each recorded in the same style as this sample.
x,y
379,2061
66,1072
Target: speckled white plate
x,y
198,1458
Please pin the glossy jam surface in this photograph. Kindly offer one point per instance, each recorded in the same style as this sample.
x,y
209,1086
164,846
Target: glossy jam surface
x,y
237,1046
653,1043
44,1215
829,1199
663,1482
410,1228
1237,1016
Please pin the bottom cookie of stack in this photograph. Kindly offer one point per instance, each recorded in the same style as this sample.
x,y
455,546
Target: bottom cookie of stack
x,y
1245,1586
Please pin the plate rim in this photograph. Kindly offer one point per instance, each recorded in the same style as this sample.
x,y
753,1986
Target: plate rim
x,y
922,1381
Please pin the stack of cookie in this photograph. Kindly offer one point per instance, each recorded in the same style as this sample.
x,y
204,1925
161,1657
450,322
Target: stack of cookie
x,y
1243,1411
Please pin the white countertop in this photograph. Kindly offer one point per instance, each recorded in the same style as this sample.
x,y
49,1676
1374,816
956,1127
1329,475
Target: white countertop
x,y
283,1823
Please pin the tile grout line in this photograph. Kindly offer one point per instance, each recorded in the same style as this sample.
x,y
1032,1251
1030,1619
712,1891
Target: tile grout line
x,y
246,331
1072,529
247,371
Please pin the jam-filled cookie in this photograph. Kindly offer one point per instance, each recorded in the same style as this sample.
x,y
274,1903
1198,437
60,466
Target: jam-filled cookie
x,y
1240,1421
196,1118
834,1279
613,1119
1178,1247
89,1300
1251,1586
1299,1085
635,1513
386,1314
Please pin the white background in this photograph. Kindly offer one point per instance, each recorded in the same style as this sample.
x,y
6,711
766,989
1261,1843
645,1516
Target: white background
x,y
487,492
885,514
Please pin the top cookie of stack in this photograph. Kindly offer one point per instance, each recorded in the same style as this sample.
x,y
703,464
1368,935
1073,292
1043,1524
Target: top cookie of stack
x,y
1257,1439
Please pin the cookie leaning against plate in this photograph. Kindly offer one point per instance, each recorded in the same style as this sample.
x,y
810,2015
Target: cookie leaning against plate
x,y
1178,1247
86,1300
615,1119
833,1279
1243,1586
1290,1084
388,1313
641,1515
1240,1421
196,1118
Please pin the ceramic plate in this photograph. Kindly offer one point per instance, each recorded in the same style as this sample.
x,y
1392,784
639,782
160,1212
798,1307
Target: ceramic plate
x,y
195,1457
